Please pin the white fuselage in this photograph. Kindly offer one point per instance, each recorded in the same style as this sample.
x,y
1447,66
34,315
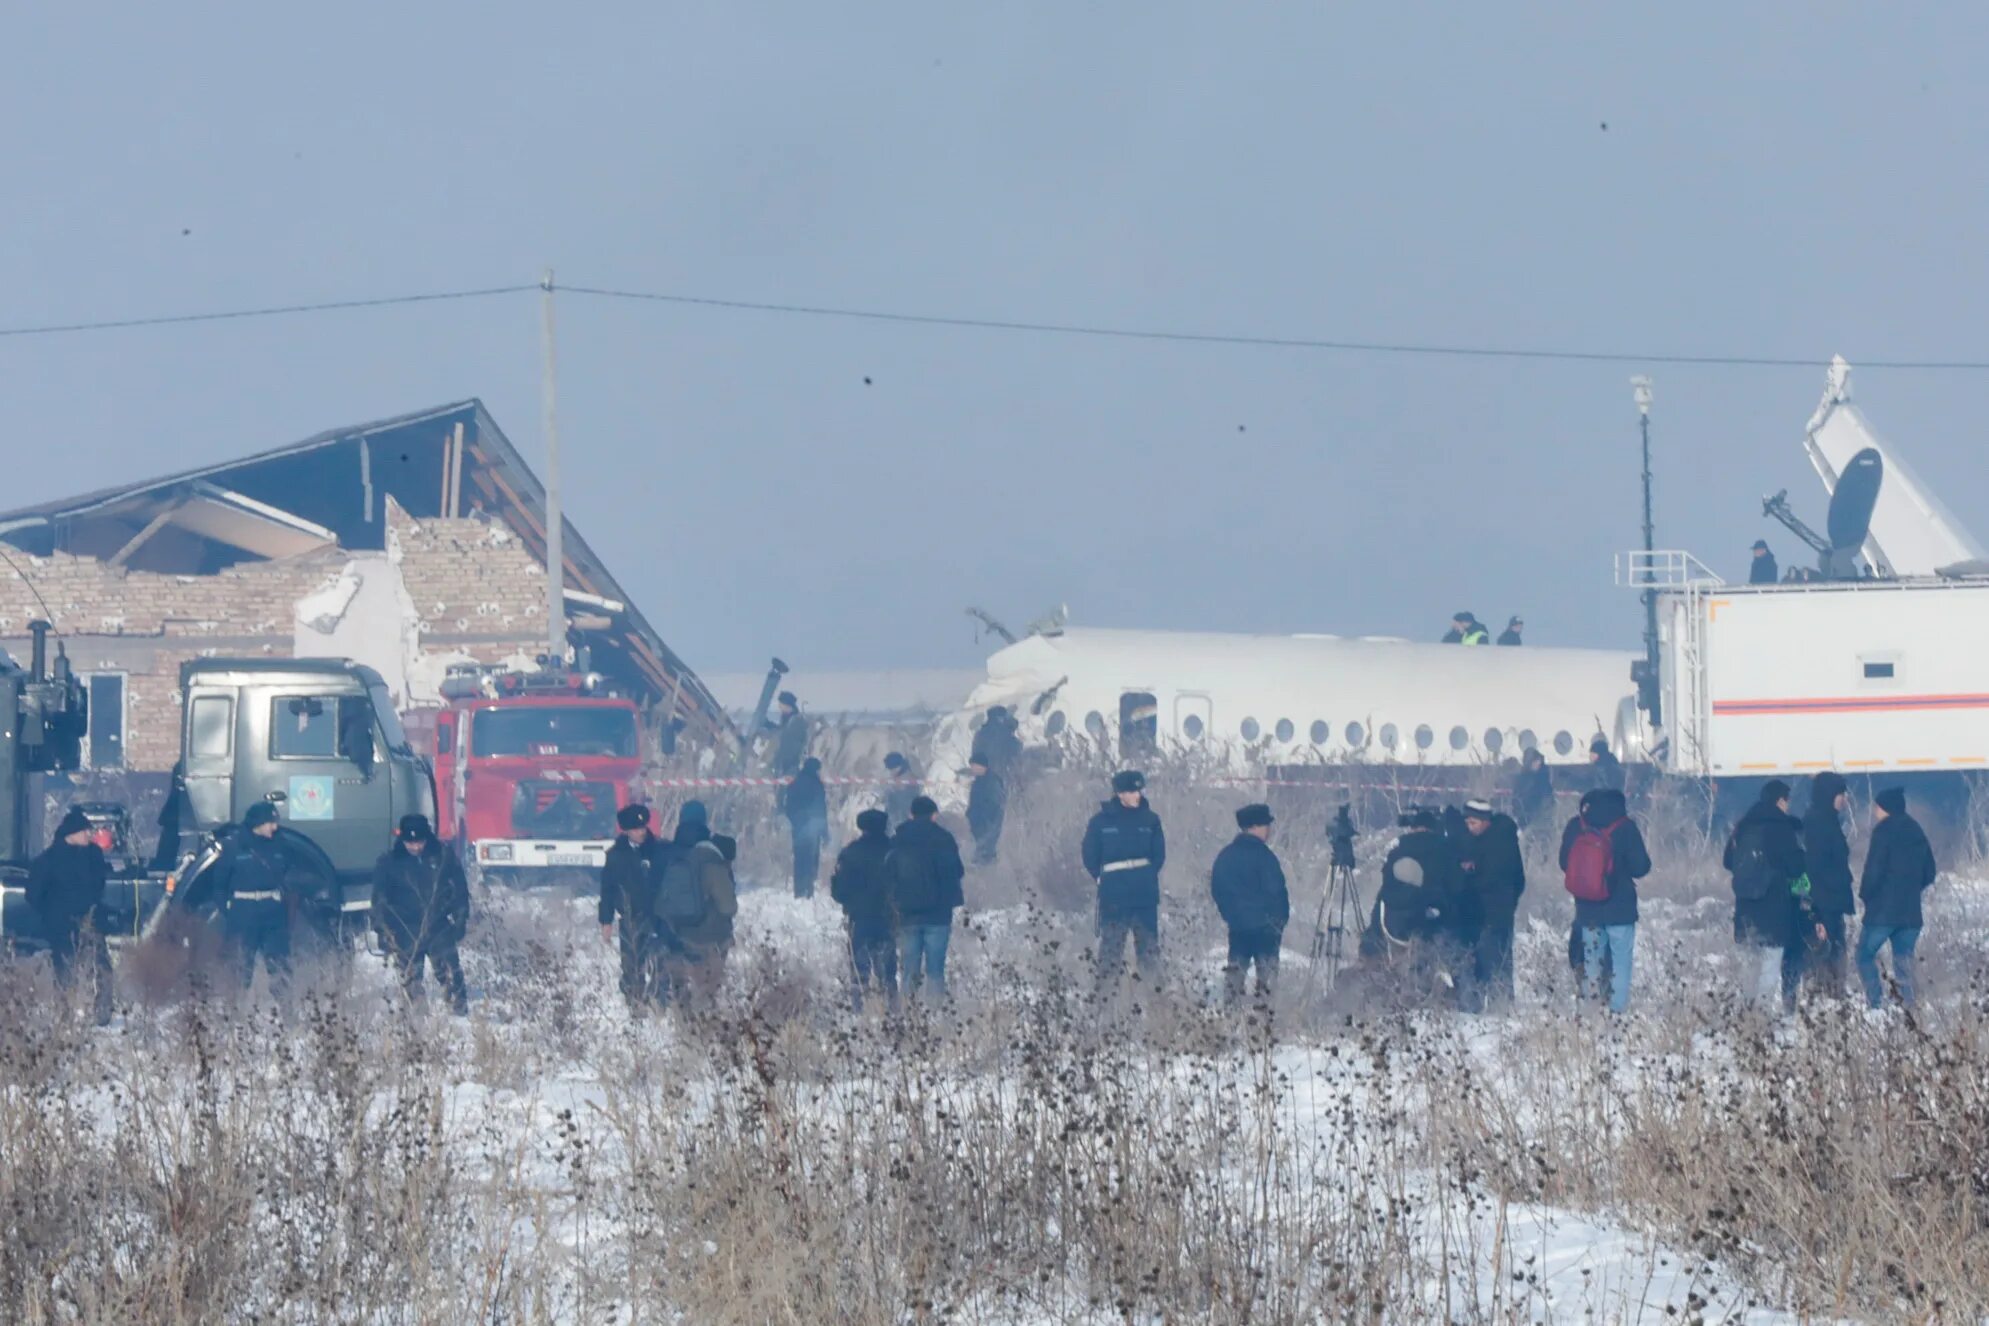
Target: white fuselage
x,y
1254,700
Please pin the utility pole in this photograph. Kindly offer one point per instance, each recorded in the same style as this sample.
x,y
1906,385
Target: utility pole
x,y
555,520
1640,391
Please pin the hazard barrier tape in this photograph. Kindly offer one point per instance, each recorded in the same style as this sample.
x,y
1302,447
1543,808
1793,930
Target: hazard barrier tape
x,y
1313,783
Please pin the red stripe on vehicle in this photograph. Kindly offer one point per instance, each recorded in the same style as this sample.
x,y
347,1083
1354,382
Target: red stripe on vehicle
x,y
1853,704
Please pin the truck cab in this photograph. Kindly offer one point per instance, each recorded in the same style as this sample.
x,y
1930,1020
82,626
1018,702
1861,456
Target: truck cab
x,y
319,738
532,767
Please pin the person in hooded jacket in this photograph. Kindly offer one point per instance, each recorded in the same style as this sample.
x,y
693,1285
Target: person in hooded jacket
x,y
1411,924
1533,791
1124,850
1609,925
1831,897
1764,853
421,910
65,887
805,802
1899,867
987,809
861,886
1248,887
998,743
1492,872
925,874
904,789
630,877
694,952
1604,769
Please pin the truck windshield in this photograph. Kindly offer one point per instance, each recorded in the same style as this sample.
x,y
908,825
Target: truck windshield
x,y
553,730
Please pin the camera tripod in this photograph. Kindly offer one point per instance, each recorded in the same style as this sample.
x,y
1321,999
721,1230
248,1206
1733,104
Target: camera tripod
x,y
1338,905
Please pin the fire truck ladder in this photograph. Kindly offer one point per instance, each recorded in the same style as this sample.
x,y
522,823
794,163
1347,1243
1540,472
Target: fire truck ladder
x,y
1690,706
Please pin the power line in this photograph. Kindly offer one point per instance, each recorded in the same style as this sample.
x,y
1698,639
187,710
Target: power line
x,y
1274,342
1340,345
273,311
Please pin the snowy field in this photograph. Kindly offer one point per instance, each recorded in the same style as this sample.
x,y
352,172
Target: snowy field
x,y
1023,1156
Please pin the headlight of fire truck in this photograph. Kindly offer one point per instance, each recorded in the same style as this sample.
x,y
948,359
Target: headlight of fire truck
x,y
497,852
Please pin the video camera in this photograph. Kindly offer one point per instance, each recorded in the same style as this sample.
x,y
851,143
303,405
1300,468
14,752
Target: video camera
x,y
1341,835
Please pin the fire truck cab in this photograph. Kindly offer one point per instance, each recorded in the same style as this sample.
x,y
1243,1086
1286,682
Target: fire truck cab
x,y
530,768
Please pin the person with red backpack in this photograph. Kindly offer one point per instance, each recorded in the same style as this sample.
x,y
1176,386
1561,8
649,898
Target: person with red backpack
x,y
1602,857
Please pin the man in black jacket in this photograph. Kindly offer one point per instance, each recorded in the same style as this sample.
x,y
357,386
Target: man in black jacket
x,y
987,809
1770,912
1604,769
1830,894
1899,867
421,910
1124,850
861,886
1248,886
1510,637
998,743
1608,925
260,896
805,802
1533,791
791,737
65,887
925,873
1763,571
629,880
1493,874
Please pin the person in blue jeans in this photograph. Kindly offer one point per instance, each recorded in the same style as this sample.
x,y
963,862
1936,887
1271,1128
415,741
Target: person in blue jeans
x,y
1609,924
1899,867
924,872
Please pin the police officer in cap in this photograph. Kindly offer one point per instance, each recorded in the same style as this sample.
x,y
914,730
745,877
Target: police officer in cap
x,y
1248,886
259,897
629,880
421,910
1124,850
65,887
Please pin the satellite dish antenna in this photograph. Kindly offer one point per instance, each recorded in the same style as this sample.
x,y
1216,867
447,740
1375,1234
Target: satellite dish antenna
x,y
1850,521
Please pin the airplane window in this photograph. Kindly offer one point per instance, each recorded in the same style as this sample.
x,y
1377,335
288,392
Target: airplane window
x,y
1459,738
1494,739
1321,734
1054,724
1424,737
1191,726
1250,729
1527,741
1285,730
1388,735
1094,723
1356,734
1563,743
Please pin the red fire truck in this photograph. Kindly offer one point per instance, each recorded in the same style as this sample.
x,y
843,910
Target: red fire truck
x,y
530,768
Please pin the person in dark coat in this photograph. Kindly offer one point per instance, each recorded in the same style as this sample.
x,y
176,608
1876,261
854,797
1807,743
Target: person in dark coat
x,y
1763,571
1511,635
1492,871
987,808
805,802
861,886
1604,769
791,737
998,743
1409,928
1831,897
260,897
1899,867
693,953
1248,886
1533,790
421,909
1609,925
905,774
65,887
925,874
173,812
630,877
1764,854
1124,850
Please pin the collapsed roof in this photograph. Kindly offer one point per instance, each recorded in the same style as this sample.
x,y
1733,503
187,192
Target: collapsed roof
x,y
330,490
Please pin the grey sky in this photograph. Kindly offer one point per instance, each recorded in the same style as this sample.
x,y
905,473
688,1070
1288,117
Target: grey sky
x,y
1791,180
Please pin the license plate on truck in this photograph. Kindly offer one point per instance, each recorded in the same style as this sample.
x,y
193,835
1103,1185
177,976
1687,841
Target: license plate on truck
x,y
569,859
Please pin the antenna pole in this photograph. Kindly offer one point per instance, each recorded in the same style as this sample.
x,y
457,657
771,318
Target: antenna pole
x,y
555,520
1640,391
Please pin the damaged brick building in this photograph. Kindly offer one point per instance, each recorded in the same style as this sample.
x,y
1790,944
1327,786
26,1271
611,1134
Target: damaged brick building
x,y
409,544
